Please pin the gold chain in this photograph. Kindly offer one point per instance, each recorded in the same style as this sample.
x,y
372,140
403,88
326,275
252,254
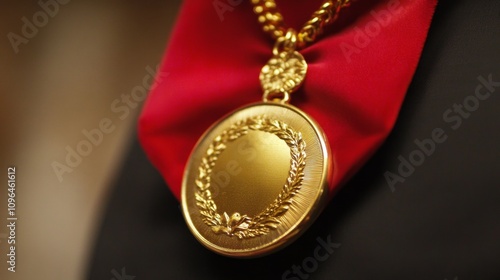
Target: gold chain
x,y
273,23
285,72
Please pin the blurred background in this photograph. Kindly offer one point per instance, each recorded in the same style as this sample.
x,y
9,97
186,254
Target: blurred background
x,y
64,65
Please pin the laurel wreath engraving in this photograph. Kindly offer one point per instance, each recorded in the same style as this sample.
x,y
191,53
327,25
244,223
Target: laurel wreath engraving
x,y
243,226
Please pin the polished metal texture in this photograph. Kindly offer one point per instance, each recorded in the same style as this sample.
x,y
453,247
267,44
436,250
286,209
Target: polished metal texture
x,y
285,72
256,180
272,21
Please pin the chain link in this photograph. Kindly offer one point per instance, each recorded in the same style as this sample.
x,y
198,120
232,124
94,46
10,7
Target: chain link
x,y
272,21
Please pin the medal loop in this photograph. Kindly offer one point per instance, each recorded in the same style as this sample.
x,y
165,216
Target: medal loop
x,y
285,71
280,97
284,44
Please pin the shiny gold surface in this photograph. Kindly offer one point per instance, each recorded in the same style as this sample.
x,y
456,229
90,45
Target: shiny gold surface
x,y
256,180
283,73
272,21
238,166
236,224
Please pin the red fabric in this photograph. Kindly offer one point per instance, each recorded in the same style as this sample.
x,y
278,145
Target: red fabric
x,y
354,86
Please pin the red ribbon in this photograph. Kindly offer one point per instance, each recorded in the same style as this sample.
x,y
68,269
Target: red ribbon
x,y
358,75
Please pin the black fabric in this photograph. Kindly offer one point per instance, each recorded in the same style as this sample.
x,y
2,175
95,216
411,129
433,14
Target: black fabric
x,y
442,222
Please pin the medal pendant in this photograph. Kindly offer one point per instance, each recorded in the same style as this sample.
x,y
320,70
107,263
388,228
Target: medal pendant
x,y
259,177
256,180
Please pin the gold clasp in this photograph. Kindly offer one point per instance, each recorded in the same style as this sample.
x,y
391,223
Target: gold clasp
x,y
285,71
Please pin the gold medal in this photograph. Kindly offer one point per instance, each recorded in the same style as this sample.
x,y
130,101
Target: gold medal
x,y
259,177
256,180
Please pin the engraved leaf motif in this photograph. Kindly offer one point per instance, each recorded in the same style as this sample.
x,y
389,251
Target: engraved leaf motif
x,y
283,72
